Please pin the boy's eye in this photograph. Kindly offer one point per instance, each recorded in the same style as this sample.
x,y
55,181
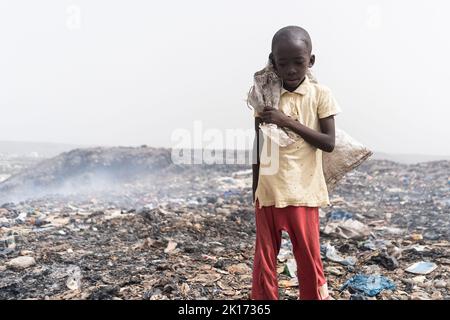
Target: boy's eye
x,y
297,62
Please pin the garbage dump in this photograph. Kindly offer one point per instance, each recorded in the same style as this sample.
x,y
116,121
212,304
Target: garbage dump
x,y
144,228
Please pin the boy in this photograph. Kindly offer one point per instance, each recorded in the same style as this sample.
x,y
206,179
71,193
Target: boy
x,y
290,198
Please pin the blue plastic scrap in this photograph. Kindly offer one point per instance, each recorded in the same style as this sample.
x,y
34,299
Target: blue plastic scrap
x,y
340,215
368,285
230,193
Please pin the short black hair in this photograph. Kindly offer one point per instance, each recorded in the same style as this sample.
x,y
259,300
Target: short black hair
x,y
292,33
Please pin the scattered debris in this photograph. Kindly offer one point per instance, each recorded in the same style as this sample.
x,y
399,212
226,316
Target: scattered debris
x,y
170,231
21,262
170,246
340,215
347,229
368,285
387,261
333,255
422,267
290,268
74,279
240,268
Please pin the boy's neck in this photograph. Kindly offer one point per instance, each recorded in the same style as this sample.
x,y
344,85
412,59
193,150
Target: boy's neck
x,y
293,89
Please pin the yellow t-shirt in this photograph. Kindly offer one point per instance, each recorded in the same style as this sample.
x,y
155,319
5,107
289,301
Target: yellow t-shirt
x,y
293,175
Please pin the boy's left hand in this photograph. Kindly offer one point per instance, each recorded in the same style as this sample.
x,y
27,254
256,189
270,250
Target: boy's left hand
x,y
272,115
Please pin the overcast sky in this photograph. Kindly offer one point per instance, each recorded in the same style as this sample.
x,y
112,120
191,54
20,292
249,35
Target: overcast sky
x,y
131,72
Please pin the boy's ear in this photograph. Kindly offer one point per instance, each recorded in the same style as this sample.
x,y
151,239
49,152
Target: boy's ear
x,y
312,59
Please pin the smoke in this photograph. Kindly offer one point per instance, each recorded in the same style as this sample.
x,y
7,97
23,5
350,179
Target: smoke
x,y
117,174
86,172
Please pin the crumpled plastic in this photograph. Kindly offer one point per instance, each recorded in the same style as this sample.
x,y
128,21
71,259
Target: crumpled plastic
x,y
333,255
368,285
347,229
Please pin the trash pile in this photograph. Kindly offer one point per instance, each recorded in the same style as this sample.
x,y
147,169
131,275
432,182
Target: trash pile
x,y
188,232
11,164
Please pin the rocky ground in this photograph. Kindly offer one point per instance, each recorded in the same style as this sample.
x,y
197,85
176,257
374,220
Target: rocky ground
x,y
188,233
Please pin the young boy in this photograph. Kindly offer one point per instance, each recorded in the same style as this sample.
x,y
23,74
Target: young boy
x,y
290,198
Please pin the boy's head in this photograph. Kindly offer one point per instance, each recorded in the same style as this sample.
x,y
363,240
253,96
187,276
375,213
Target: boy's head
x,y
291,55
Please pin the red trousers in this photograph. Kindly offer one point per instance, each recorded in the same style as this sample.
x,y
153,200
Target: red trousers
x,y
302,225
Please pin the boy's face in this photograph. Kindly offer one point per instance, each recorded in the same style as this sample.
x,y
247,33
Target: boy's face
x,y
291,60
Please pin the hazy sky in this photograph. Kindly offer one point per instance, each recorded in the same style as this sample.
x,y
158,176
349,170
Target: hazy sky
x,y
130,72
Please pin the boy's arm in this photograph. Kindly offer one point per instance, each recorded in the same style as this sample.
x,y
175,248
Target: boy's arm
x,y
257,145
323,140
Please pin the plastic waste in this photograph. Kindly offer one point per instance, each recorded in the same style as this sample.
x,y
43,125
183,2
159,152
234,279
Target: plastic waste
x,y
422,267
368,285
340,215
347,229
332,254
73,281
290,268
